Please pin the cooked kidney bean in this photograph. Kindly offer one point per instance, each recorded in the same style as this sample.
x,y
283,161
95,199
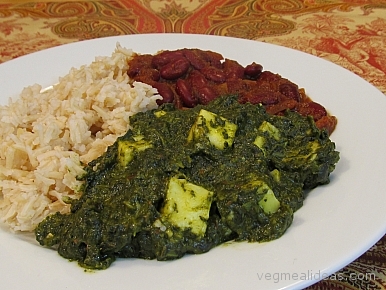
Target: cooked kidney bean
x,y
213,58
165,91
139,62
233,70
197,79
163,58
175,69
188,77
213,74
253,70
184,90
290,90
195,58
206,95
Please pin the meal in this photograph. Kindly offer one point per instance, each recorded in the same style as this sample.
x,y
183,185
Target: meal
x,y
115,169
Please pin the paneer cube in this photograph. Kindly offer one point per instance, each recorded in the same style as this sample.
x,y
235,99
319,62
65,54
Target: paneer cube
x,y
187,205
267,128
213,128
128,149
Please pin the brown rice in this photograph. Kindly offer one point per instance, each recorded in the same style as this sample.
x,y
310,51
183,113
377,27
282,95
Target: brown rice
x,y
45,135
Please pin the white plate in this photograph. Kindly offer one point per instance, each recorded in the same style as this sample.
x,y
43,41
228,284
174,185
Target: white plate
x,y
337,223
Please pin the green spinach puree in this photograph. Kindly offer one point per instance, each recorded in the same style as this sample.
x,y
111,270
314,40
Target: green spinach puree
x,y
185,181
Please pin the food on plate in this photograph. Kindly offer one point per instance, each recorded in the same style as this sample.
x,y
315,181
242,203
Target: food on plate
x,y
46,135
190,76
185,181
156,156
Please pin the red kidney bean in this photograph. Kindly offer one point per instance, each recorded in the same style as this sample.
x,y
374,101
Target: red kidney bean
x,y
195,59
188,77
213,74
175,69
215,59
197,79
290,91
165,91
253,70
205,95
138,63
133,71
184,90
163,58
232,69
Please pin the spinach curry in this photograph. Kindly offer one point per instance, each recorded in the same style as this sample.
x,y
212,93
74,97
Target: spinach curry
x,y
185,181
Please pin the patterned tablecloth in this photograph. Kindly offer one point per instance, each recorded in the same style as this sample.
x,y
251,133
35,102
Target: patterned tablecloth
x,y
351,33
